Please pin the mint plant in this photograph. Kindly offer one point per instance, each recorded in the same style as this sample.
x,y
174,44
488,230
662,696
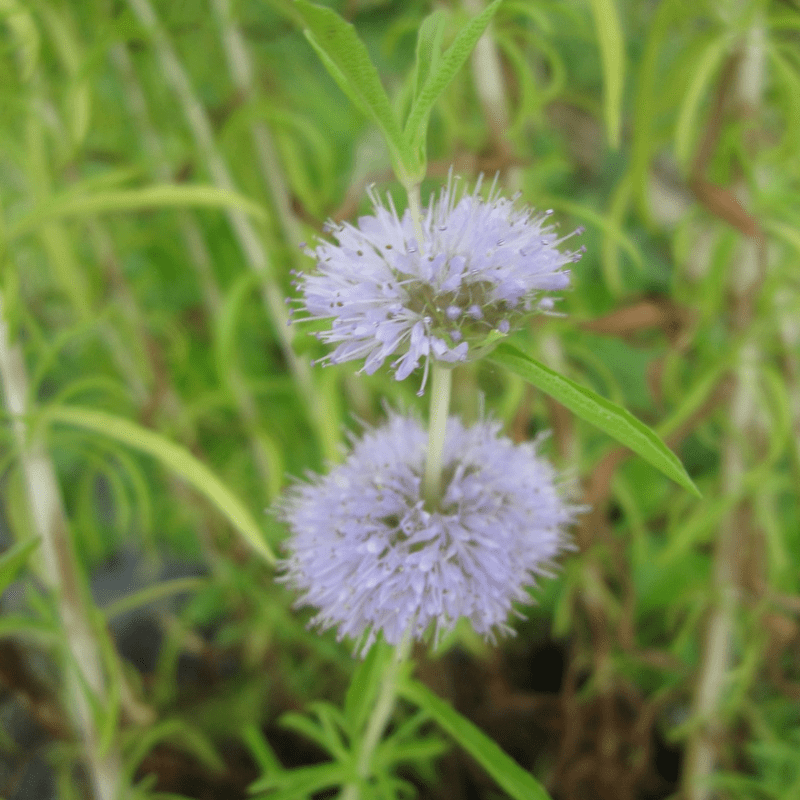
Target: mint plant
x,y
378,514
415,531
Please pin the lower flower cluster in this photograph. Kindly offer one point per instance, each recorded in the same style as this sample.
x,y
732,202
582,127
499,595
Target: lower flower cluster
x,y
373,556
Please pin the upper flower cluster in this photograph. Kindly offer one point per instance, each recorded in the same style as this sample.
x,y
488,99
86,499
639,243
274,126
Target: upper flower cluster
x,y
372,556
481,267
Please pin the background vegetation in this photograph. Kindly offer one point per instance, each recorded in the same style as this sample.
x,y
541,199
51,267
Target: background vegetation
x,y
160,163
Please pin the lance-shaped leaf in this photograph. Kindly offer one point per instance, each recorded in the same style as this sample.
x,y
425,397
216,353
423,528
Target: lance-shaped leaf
x,y
612,52
13,560
509,775
73,204
607,416
429,48
443,68
346,58
174,457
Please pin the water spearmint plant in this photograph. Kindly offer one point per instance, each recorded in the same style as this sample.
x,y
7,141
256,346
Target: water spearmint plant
x,y
418,529
143,335
415,531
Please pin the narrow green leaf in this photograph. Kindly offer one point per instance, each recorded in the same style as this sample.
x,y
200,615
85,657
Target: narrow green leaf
x,y
607,416
24,34
261,750
300,782
437,81
704,70
188,738
364,686
311,730
649,82
332,723
614,219
697,393
509,775
151,594
612,52
429,48
23,625
226,321
110,704
391,752
787,81
537,14
70,204
13,560
784,20
347,60
173,456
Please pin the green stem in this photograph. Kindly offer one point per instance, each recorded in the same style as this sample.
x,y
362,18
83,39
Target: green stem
x,y
415,207
442,380
440,391
381,713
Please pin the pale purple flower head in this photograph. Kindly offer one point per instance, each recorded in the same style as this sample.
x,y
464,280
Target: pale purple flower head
x,y
372,558
481,268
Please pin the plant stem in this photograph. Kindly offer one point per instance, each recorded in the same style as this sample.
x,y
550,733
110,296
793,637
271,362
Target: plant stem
x,y
442,380
415,207
82,661
384,706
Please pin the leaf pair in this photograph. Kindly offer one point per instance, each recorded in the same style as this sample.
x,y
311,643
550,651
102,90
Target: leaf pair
x,y
346,58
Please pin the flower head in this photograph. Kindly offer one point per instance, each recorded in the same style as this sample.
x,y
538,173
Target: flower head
x,y
482,267
371,557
